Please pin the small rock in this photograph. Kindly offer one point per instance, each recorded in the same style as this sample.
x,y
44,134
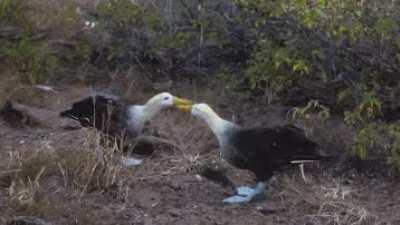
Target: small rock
x,y
198,177
28,220
174,212
270,208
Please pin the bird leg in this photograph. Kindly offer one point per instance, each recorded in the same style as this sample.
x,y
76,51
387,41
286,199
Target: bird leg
x,y
246,194
301,165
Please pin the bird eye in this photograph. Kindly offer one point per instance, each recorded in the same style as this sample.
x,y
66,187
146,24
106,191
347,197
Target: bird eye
x,y
166,98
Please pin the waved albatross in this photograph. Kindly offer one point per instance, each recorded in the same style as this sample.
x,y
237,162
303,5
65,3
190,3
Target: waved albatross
x,y
261,150
118,119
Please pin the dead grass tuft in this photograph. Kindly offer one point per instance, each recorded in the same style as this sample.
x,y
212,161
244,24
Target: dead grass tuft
x,y
90,168
8,85
27,196
328,203
26,167
340,213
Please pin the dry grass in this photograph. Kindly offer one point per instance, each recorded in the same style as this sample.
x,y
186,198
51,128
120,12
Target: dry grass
x,y
8,86
27,196
327,202
91,168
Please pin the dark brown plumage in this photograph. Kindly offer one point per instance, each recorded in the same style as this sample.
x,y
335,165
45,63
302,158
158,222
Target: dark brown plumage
x,y
121,120
261,150
265,150
105,113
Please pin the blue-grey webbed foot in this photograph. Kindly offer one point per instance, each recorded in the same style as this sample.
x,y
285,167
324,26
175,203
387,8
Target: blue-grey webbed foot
x,y
244,190
247,194
236,199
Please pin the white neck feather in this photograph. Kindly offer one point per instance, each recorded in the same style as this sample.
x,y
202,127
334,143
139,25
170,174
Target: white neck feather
x,y
150,109
218,126
140,114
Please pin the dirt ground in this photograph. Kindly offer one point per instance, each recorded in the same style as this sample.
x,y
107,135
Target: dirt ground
x,y
166,188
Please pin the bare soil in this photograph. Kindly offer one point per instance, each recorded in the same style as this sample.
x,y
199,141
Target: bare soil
x,y
166,188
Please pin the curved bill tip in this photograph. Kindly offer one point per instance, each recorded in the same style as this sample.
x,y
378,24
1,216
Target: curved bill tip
x,y
182,102
184,108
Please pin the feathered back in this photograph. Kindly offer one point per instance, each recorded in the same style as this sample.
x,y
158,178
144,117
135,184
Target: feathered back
x,y
278,144
100,111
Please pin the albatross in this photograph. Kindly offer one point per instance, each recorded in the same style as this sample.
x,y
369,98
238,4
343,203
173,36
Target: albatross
x,y
117,118
110,114
261,150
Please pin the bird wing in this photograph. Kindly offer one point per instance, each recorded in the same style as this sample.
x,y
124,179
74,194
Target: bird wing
x,y
103,112
277,144
293,144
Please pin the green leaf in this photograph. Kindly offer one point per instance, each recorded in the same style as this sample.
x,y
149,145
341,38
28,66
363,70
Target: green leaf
x,y
300,66
384,26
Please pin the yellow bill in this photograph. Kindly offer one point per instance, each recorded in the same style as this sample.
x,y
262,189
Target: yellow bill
x,y
184,105
185,108
182,102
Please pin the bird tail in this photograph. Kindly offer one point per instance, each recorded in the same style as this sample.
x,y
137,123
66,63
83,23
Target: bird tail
x,y
65,113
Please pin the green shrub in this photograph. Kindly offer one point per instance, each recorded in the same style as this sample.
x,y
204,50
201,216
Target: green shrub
x,y
394,146
304,44
374,138
275,68
119,13
32,62
11,11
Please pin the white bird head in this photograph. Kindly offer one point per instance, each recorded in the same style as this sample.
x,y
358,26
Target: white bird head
x,y
202,110
140,114
166,100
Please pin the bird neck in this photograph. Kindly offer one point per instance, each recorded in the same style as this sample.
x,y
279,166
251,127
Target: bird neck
x,y
220,127
136,119
140,114
150,109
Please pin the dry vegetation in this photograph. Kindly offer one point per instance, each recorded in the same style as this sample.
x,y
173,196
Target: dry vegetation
x,y
251,63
